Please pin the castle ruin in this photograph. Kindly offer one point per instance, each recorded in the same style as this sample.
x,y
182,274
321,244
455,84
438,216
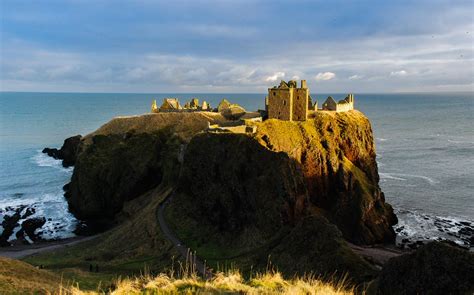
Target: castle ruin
x,y
288,102
343,105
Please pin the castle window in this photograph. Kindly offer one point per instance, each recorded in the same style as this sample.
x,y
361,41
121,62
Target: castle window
x,y
284,102
274,93
297,97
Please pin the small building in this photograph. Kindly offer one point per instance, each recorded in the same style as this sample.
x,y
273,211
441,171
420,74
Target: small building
x,y
288,102
343,105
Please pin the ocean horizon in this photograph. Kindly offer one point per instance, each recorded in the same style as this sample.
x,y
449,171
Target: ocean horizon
x,y
424,143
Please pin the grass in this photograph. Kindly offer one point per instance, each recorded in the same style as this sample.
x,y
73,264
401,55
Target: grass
x,y
228,282
18,277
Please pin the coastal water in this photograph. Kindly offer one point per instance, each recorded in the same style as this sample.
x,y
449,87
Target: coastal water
x,y
425,153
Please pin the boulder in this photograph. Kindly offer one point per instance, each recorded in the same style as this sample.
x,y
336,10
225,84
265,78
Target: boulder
x,y
435,268
29,227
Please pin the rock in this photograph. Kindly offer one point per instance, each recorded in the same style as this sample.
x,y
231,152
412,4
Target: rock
x,y
233,182
68,152
29,227
233,112
10,222
435,268
336,153
114,169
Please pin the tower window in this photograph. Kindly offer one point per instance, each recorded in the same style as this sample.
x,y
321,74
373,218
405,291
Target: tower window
x,y
284,102
274,93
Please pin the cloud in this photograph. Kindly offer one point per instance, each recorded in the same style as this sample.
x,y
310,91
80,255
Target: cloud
x,y
400,73
356,77
325,76
295,77
275,77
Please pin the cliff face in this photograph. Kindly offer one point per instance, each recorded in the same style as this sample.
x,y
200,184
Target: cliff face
x,y
336,153
287,170
126,157
237,187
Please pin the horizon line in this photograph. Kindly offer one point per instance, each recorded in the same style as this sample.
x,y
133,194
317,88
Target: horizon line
x,y
155,93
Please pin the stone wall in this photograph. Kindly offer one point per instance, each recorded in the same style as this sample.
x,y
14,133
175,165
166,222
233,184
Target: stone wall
x,y
279,104
300,104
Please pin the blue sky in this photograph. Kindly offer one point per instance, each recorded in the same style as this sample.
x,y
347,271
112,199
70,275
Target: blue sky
x,y
236,46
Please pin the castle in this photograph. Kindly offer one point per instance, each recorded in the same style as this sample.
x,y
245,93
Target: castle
x,y
286,102
289,103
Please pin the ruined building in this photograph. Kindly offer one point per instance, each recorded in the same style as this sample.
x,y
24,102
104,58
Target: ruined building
x,y
288,102
343,105
173,105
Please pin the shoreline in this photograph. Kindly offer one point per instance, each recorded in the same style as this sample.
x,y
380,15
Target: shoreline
x,y
22,251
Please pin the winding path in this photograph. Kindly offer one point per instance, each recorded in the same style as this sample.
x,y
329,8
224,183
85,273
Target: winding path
x,y
186,252
19,252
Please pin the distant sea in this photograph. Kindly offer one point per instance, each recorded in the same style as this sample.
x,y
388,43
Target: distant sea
x,y
425,152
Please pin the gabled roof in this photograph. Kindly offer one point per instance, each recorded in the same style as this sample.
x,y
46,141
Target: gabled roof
x,y
329,99
283,85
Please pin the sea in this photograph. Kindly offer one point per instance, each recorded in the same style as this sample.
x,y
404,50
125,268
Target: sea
x,y
424,143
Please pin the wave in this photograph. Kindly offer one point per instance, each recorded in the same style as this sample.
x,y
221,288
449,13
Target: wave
x,y
43,160
460,141
381,139
418,226
390,176
399,176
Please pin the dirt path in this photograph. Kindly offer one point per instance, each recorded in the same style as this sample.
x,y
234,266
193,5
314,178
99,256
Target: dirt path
x,y
22,251
377,255
182,249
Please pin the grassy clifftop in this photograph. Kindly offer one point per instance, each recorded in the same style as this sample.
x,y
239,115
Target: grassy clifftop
x,y
185,124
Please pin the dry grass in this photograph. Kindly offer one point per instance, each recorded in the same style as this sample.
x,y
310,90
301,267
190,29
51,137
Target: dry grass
x,y
17,277
229,282
184,124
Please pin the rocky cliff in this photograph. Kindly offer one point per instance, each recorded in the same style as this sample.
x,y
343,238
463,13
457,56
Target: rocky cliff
x,y
336,154
323,166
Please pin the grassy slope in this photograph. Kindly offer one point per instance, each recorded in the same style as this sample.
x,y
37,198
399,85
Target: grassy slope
x,y
128,249
20,277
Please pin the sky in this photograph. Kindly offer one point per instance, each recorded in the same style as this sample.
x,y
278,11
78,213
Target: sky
x,y
236,46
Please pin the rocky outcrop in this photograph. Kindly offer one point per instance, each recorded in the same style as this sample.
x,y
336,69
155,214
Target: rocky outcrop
x,y
323,166
68,152
114,169
28,227
20,217
435,268
126,157
336,153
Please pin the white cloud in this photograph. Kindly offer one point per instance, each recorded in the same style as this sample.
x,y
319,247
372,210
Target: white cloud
x,y
325,76
274,77
295,77
356,77
398,73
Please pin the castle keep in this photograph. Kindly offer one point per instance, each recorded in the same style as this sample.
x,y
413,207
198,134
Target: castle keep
x,y
288,102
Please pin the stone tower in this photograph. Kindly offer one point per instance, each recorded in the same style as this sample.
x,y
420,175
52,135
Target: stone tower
x,y
288,102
